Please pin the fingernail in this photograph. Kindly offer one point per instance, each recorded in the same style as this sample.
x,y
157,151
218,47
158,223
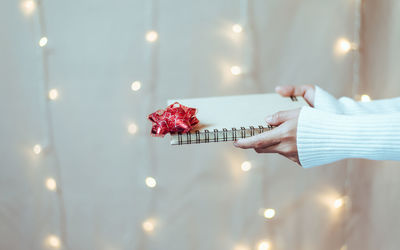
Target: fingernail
x,y
235,143
268,119
277,88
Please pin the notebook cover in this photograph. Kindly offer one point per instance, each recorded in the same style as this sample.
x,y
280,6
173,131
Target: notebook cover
x,y
238,111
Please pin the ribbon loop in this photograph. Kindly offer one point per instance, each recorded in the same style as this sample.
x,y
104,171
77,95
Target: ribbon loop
x,y
176,118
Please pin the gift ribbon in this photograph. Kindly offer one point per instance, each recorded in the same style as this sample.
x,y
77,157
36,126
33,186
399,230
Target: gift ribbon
x,y
176,118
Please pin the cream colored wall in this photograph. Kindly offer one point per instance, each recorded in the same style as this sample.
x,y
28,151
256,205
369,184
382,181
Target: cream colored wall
x,y
202,199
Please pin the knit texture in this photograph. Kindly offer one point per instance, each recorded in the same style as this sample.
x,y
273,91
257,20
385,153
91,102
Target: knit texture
x,y
326,102
344,128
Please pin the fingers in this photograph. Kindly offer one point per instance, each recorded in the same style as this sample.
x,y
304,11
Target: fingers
x,y
293,90
282,116
270,149
279,149
306,91
262,140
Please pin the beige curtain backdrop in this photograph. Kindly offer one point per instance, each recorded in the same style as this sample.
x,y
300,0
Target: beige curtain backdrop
x,y
202,200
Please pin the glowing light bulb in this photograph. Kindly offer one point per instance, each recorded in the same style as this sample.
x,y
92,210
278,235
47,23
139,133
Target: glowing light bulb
x,y
339,202
237,28
53,241
236,70
53,94
28,6
151,36
151,182
148,225
365,98
246,166
264,245
51,184
344,45
37,149
269,213
132,128
135,86
43,41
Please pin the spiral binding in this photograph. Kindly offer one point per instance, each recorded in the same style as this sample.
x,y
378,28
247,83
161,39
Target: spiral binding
x,y
217,136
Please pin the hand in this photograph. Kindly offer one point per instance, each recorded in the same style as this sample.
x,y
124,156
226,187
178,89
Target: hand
x,y
306,91
283,138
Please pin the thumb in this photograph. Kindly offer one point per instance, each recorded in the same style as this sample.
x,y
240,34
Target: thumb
x,y
281,117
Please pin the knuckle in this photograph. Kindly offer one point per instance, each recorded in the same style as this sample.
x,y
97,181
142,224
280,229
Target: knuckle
x,y
285,133
285,151
277,116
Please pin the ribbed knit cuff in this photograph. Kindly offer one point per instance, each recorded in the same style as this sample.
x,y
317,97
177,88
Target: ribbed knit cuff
x,y
326,102
352,107
324,137
345,105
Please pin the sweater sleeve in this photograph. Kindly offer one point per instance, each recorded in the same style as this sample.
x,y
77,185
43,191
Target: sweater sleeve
x,y
326,102
324,137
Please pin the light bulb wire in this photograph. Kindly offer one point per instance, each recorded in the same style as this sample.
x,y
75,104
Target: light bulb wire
x,y
50,126
251,45
152,81
356,42
350,163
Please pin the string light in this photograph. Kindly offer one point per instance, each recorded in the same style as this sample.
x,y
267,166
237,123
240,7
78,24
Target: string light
x,y
135,86
237,28
151,182
246,166
343,46
151,36
37,149
236,70
264,245
28,6
51,184
269,213
53,94
43,41
148,225
53,241
365,98
339,202
132,128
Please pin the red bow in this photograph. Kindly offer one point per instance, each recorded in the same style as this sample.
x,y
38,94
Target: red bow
x,y
176,118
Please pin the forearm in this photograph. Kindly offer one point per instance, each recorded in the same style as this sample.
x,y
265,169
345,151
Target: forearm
x,y
347,106
324,137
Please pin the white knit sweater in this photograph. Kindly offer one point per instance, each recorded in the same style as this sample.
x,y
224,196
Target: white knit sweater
x,y
344,128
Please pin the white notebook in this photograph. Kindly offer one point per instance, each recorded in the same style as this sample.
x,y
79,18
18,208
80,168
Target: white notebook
x,y
229,118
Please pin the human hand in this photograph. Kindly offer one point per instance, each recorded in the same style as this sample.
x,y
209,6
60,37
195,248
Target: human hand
x,y
306,91
283,138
